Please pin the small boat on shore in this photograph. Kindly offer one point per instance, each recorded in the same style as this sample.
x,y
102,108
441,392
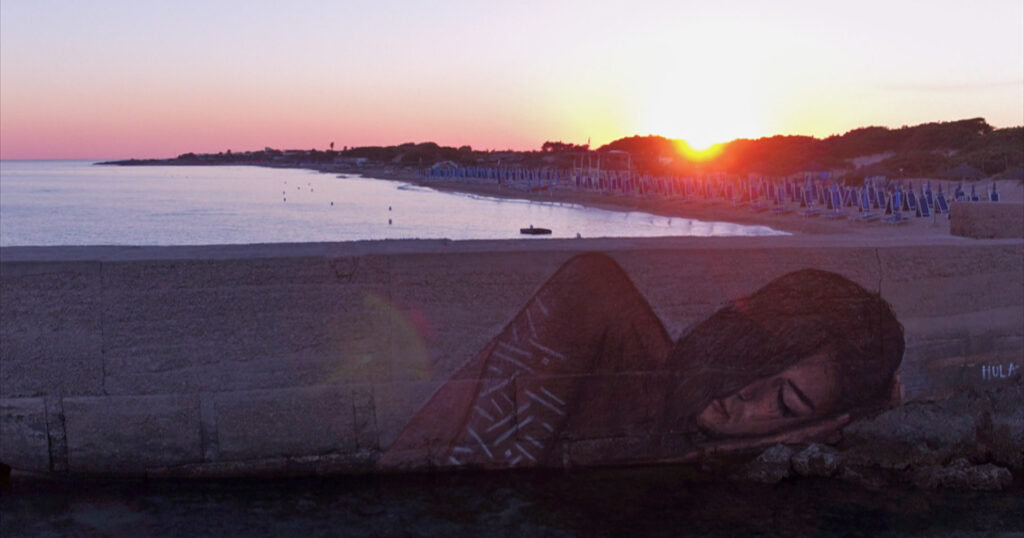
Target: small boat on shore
x,y
535,231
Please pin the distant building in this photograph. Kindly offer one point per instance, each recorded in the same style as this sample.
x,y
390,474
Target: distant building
x,y
617,159
444,165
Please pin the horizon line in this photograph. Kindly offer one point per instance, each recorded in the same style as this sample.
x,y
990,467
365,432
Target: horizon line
x,y
713,145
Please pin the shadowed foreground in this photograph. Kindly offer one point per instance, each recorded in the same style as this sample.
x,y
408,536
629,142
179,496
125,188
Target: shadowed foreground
x,y
664,501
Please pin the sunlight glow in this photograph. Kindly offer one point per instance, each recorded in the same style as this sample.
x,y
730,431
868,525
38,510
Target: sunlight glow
x,y
698,154
114,79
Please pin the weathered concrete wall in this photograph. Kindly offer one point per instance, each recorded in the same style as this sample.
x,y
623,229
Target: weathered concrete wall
x,y
312,358
987,220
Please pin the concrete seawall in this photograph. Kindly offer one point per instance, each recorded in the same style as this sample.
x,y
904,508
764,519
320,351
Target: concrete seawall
x,y
307,358
987,220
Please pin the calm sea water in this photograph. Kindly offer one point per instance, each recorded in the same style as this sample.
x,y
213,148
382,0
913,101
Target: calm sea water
x,y
78,203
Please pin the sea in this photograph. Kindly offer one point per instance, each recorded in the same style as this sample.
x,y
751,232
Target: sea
x,y
82,203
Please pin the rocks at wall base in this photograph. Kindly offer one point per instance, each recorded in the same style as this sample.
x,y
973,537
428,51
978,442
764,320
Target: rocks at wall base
x,y
974,441
816,460
961,474
984,426
770,467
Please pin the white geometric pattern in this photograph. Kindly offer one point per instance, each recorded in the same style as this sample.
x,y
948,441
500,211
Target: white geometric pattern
x,y
512,425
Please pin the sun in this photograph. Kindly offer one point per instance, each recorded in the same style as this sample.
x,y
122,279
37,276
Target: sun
x,y
702,117
698,153
700,134
700,142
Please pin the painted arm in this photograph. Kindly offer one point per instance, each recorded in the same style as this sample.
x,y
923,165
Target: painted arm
x,y
568,366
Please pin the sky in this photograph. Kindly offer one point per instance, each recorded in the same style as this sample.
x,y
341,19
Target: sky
x,y
108,79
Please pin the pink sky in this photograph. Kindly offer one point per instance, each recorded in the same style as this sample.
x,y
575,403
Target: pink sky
x,y
102,79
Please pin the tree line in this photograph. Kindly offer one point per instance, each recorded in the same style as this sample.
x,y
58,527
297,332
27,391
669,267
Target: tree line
x,y
930,149
970,146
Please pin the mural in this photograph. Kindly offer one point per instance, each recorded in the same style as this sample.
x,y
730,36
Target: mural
x,y
586,374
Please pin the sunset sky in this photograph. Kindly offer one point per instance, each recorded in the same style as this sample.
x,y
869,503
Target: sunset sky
x,y
104,79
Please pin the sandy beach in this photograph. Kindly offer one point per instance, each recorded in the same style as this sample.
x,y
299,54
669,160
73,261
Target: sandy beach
x,y
1010,191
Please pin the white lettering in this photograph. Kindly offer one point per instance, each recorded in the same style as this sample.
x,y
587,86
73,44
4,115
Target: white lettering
x,y
996,371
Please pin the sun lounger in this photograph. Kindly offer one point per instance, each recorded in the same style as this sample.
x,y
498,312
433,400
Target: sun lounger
x,y
923,209
904,200
808,205
911,204
894,209
837,207
779,206
866,214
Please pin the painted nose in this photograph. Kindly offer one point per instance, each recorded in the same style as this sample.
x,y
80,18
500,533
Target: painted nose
x,y
749,393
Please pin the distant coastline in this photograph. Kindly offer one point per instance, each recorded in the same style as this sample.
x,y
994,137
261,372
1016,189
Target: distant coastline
x,y
1012,191
945,154
968,149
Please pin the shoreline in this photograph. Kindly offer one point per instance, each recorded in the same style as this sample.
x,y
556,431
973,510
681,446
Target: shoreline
x,y
793,223
1011,191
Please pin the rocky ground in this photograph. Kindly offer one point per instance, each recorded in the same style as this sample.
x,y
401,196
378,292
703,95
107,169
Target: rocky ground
x,y
971,441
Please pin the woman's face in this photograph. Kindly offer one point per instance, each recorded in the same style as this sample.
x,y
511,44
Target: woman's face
x,y
802,393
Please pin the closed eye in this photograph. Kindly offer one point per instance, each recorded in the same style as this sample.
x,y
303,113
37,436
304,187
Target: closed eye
x,y
800,395
784,409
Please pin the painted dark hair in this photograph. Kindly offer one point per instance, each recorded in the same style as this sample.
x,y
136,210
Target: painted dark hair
x,y
793,317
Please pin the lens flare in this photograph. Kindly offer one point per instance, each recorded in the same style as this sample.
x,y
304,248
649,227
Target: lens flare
x,y
388,333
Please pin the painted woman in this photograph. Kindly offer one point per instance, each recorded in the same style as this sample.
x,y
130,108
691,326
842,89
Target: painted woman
x,y
585,374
